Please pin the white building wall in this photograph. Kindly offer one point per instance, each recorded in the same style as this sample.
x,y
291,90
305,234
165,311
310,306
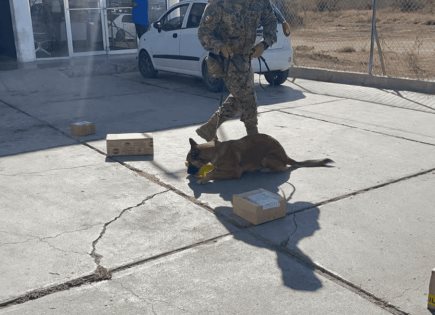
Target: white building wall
x,y
171,2
23,30
22,24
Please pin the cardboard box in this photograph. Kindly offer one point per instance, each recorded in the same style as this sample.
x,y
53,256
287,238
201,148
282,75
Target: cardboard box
x,y
259,206
129,144
82,128
431,297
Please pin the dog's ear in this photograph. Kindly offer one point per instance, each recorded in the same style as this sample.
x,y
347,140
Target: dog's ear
x,y
193,144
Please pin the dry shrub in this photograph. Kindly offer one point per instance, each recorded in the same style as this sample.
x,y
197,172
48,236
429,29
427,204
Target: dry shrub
x,y
304,48
324,57
347,49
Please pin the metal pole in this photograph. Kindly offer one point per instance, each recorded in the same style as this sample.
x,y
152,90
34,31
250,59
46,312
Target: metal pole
x,y
381,56
372,37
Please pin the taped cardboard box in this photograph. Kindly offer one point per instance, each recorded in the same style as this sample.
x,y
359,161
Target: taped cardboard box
x,y
431,298
129,144
259,206
82,128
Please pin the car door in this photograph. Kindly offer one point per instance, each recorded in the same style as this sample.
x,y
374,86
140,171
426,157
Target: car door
x,y
191,50
166,44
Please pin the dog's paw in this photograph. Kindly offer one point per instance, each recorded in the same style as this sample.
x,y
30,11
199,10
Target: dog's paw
x,y
201,181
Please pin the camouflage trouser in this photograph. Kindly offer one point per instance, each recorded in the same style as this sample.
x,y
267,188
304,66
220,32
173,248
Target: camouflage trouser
x,y
239,80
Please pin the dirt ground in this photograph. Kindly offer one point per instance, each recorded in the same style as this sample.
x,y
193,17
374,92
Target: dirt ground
x,y
340,40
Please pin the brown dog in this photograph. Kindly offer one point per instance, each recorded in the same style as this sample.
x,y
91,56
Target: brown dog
x,y
232,158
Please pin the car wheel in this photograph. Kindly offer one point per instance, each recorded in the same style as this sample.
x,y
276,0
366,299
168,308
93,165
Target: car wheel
x,y
213,84
146,67
120,36
275,78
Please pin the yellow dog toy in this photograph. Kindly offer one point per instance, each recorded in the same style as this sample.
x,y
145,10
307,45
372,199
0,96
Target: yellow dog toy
x,y
205,169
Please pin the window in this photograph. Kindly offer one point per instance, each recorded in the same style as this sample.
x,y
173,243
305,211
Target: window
x,y
173,20
76,4
127,18
49,30
195,15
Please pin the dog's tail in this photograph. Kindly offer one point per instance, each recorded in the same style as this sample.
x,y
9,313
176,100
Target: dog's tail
x,y
310,163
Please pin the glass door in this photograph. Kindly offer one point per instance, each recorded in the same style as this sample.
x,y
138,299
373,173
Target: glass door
x,y
121,31
85,31
49,28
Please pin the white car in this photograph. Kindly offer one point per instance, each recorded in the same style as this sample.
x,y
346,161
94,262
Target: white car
x,y
172,44
122,28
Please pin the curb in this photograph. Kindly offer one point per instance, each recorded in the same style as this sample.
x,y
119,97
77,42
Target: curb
x,y
355,78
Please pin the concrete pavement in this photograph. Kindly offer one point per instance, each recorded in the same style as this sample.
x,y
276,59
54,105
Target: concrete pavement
x,y
357,238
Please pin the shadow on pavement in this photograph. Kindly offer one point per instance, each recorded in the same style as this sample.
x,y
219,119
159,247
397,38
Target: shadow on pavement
x,y
284,232
271,95
37,119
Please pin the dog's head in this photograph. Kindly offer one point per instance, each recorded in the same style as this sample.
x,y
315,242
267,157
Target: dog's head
x,y
197,157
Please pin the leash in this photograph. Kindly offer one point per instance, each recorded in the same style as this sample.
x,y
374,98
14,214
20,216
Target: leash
x,y
285,242
261,59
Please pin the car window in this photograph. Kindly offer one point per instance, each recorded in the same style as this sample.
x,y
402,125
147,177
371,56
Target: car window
x,y
127,18
195,15
173,20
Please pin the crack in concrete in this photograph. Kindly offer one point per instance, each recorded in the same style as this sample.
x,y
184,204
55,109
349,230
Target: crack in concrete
x,y
16,243
358,128
28,236
49,125
323,271
165,254
329,275
154,179
364,190
42,172
100,274
97,257
431,111
63,250
299,106
103,274
43,239
88,227
96,276
306,114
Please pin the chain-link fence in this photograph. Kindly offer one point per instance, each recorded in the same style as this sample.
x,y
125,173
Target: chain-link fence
x,y
341,35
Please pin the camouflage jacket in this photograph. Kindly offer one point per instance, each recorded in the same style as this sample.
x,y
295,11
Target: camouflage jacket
x,y
234,23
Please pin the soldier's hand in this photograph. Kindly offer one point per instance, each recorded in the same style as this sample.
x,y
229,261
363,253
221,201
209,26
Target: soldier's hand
x,y
226,52
258,50
286,29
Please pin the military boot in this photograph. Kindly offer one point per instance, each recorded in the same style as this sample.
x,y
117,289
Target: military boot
x,y
208,130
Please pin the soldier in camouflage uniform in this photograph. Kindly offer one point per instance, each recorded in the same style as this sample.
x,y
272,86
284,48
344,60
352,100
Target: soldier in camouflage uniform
x,y
228,29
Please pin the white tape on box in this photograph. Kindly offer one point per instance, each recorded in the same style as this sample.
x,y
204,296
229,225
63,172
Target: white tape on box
x,y
265,199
